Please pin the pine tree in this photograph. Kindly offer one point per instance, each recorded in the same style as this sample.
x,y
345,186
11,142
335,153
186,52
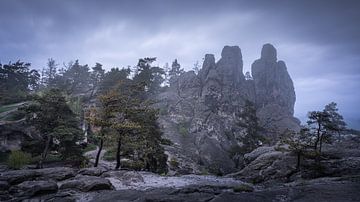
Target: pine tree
x,y
175,71
54,120
324,124
17,81
250,122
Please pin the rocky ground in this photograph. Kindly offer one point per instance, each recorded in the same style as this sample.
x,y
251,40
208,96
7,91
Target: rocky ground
x,y
269,175
98,184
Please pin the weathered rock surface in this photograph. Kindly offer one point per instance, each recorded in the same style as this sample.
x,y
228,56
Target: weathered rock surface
x,y
18,176
126,177
201,112
31,188
267,164
87,183
325,190
93,171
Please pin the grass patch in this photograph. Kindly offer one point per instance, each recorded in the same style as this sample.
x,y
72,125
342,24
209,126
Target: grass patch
x,y
18,159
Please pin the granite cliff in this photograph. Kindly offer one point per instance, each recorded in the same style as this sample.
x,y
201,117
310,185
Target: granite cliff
x,y
199,112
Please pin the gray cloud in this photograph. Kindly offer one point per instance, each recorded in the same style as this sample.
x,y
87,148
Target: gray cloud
x,y
318,40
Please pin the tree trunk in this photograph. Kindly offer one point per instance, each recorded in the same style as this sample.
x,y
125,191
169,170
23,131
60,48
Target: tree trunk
x,y
45,152
118,164
99,152
317,136
320,145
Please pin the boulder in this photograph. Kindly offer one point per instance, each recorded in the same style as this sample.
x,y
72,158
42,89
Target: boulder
x,y
249,157
18,176
87,183
32,188
92,171
4,185
126,177
56,173
270,165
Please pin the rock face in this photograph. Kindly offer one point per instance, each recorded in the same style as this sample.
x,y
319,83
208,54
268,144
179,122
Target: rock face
x,y
274,91
200,113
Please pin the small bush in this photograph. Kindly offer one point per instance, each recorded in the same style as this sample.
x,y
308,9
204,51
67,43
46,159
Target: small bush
x,y
174,163
18,159
133,165
165,141
110,155
183,128
243,188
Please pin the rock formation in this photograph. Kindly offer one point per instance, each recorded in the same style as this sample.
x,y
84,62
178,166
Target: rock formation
x,y
199,113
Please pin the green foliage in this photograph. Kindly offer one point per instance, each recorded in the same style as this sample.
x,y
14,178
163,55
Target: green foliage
x,y
16,82
175,71
183,128
250,122
150,76
323,125
54,119
18,159
243,188
112,78
165,141
127,120
110,155
174,163
75,104
133,165
49,74
75,79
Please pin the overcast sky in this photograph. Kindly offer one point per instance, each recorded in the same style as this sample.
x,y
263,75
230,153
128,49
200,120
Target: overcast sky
x,y
318,40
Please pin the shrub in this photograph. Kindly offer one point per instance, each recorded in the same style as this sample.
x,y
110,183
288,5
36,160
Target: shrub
x,y
110,155
133,165
174,163
165,141
18,159
183,131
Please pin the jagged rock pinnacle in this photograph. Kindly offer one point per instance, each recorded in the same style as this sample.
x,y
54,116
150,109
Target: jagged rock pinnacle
x,y
268,53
